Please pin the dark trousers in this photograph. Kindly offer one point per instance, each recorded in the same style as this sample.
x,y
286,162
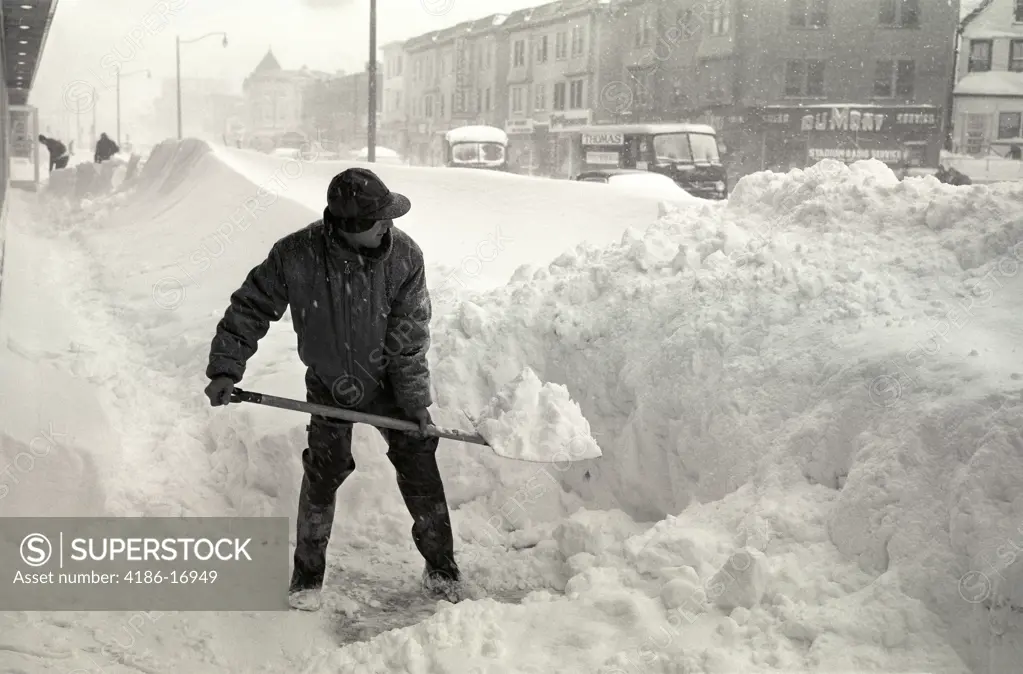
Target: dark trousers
x,y
328,461
60,163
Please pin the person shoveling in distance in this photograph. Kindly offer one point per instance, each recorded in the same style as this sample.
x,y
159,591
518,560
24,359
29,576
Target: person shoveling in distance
x,y
361,310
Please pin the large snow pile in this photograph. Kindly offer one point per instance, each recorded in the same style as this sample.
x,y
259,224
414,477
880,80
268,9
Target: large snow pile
x,y
810,437
828,357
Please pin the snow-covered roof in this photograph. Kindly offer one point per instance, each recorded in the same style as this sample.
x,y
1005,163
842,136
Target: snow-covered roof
x,y
473,27
991,83
970,9
531,17
477,134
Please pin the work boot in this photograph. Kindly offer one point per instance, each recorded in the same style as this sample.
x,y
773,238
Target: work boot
x,y
305,600
313,535
444,584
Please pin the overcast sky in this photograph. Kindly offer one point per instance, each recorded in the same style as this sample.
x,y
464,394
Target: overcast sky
x,y
89,37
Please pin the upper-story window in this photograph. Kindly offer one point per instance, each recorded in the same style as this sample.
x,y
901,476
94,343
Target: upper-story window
x,y
899,13
1016,56
578,42
519,54
980,56
720,19
808,13
804,78
644,30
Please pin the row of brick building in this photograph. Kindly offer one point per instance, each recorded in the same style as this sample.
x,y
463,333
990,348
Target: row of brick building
x,y
539,72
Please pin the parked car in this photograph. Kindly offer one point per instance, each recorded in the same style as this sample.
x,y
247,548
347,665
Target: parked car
x,y
634,181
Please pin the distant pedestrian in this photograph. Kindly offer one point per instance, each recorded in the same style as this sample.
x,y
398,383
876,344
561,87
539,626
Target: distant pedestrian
x,y
1015,153
58,152
105,148
951,176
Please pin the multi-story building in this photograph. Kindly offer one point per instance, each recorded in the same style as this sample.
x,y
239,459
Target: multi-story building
x,y
479,72
553,80
274,100
790,82
785,82
335,110
988,95
452,78
393,129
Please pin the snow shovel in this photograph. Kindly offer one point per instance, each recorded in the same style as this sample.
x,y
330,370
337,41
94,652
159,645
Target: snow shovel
x,y
351,416
240,396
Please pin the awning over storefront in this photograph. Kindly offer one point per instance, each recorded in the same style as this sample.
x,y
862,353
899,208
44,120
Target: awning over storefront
x,y
26,24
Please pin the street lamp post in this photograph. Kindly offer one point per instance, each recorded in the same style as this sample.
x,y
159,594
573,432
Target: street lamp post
x,y
177,58
119,76
371,123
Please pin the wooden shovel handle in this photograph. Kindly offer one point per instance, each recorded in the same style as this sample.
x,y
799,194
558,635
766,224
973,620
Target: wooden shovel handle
x,y
240,396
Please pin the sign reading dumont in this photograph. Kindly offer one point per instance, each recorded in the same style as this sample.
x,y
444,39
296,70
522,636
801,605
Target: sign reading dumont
x,y
852,118
144,563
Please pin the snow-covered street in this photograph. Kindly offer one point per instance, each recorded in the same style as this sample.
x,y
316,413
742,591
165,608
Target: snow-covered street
x,y
808,398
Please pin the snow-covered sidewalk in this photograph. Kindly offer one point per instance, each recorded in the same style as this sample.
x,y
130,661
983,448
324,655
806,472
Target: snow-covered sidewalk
x,y
818,375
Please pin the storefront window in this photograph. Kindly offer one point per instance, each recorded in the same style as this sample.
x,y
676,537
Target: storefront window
x,y
1009,124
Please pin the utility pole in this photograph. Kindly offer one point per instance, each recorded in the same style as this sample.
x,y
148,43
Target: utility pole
x,y
371,124
118,107
177,63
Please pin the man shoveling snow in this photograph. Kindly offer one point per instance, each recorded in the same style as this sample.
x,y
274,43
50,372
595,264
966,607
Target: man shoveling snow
x,y
358,294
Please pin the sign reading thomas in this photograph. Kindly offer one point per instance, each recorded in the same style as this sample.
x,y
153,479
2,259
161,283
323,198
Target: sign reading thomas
x,y
603,139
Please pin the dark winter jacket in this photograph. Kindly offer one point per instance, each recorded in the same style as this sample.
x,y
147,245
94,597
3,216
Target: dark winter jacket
x,y
362,320
56,148
105,148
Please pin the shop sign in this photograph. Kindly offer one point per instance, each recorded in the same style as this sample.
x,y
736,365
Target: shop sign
x,y
720,122
603,139
851,154
566,121
856,119
602,158
845,119
512,126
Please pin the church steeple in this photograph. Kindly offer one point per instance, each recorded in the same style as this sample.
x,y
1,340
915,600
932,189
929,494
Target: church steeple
x,y
268,63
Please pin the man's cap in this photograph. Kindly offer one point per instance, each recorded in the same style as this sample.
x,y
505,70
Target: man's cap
x,y
359,194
